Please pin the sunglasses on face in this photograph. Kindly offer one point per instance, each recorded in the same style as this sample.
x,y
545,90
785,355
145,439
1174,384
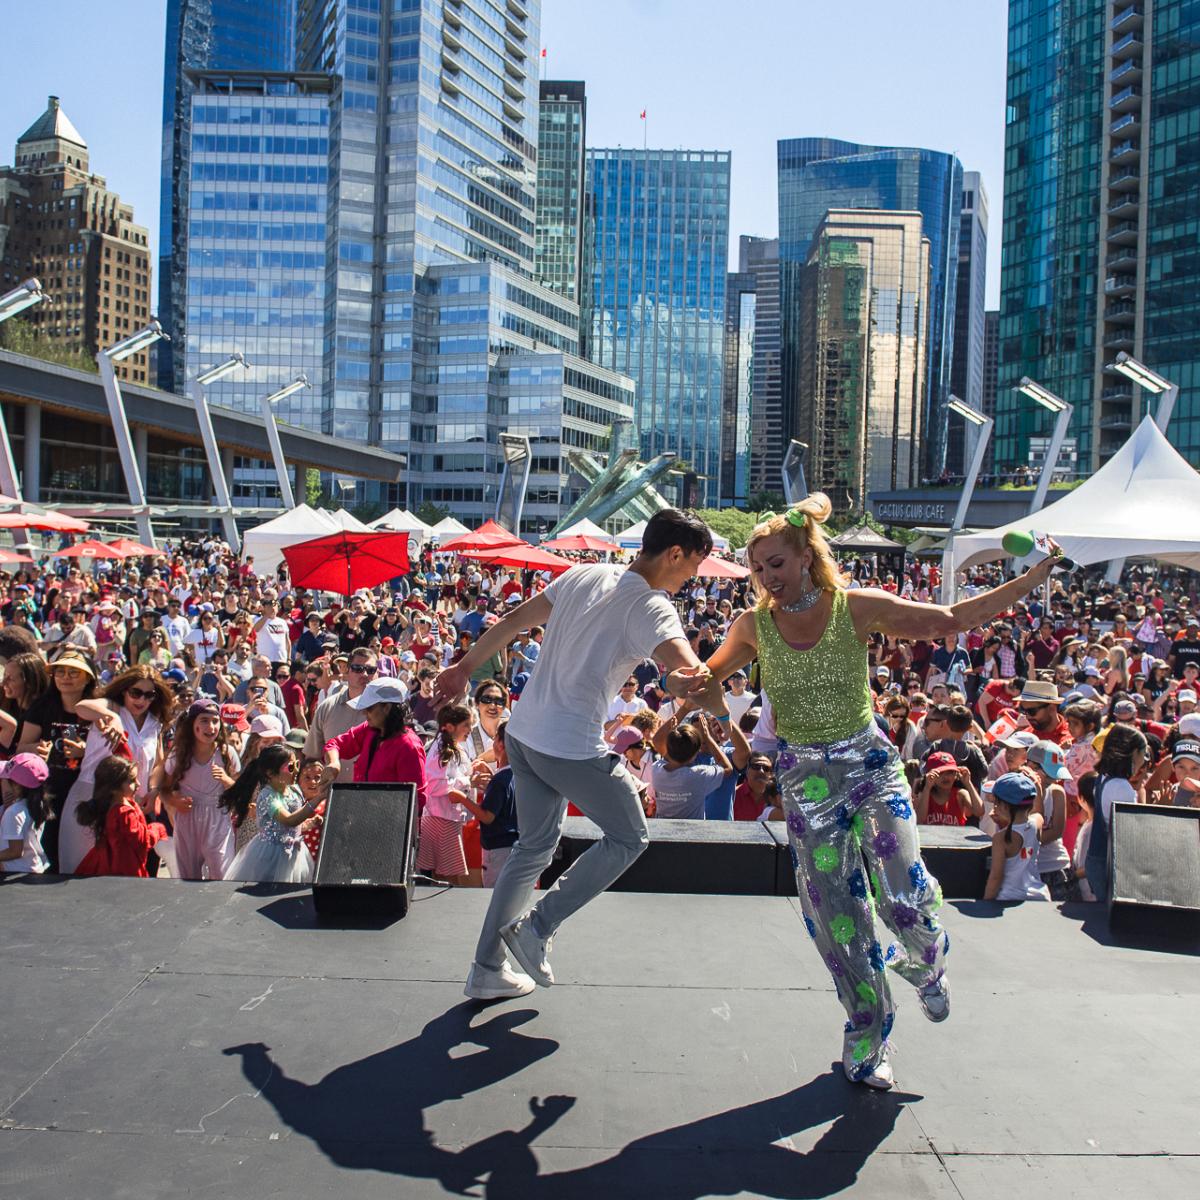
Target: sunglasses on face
x,y
363,669
141,693
760,767
491,700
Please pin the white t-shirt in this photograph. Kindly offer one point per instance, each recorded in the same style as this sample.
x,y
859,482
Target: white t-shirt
x,y
605,621
16,825
176,628
618,708
273,642
739,706
204,643
1113,789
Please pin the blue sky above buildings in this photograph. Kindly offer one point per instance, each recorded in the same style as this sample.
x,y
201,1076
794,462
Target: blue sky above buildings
x,y
711,76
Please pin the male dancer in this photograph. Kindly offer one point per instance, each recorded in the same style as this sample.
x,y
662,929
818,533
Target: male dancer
x,y
601,621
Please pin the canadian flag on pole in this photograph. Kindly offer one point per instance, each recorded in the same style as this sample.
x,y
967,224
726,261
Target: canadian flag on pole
x,y
643,114
543,51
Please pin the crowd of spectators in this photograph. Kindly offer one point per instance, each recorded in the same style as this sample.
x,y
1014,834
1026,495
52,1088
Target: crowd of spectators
x,y
184,716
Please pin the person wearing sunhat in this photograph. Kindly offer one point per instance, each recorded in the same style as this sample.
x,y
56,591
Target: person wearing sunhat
x,y
1054,859
1038,704
384,746
1014,874
53,729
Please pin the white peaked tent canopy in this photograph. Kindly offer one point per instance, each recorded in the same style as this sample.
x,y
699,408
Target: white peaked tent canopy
x,y
447,528
400,520
346,520
585,528
631,538
265,543
1143,503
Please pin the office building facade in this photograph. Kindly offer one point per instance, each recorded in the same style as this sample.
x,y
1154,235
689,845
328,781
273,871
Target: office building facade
x,y
759,257
991,377
1099,219
561,193
737,386
966,366
820,174
229,35
255,235
865,305
61,224
657,294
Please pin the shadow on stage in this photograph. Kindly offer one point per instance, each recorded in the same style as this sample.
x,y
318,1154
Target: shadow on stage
x,y
370,1115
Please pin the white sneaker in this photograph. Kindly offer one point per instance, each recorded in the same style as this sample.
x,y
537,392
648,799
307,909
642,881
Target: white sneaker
x,y
529,950
879,1076
504,984
935,999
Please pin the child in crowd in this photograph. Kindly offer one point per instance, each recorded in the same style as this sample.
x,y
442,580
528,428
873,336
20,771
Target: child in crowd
x,y
123,835
680,784
1185,760
24,814
276,853
1014,874
497,814
1049,763
1085,796
1013,753
448,784
946,796
314,790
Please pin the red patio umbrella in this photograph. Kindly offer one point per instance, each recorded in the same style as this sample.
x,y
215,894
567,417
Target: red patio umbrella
x,y
88,549
11,556
55,522
346,561
130,549
521,555
581,541
721,568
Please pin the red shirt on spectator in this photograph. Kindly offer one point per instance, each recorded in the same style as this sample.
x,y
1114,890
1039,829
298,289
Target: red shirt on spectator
x,y
123,848
746,805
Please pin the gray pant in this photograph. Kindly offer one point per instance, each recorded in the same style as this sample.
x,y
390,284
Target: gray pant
x,y
603,790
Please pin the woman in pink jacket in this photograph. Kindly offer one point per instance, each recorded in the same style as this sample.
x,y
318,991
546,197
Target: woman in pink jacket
x,y
384,747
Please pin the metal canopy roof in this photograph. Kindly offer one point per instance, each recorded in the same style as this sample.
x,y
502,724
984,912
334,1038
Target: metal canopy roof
x,y
24,379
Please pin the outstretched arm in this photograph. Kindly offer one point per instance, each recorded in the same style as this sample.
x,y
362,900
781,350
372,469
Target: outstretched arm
x,y
877,611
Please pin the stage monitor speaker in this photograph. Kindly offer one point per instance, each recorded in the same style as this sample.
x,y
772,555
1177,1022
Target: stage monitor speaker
x,y
1154,860
368,848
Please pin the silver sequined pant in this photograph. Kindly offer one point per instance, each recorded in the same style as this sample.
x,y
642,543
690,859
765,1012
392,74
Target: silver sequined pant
x,y
854,846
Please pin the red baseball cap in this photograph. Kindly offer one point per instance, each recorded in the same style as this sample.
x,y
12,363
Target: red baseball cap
x,y
940,760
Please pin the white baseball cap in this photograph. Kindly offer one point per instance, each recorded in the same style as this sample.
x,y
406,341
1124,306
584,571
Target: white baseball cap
x,y
380,691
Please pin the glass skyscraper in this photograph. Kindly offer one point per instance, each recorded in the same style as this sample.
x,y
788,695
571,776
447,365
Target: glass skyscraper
x,y
231,35
966,368
741,302
657,281
561,196
865,320
819,174
760,258
1101,195
255,236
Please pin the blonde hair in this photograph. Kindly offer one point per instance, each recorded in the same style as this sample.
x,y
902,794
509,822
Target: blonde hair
x,y
799,536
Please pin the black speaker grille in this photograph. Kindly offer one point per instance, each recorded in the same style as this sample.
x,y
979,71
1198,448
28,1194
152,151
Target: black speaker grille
x,y
367,836
1156,856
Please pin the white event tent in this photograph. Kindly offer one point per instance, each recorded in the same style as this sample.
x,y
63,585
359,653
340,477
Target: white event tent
x,y
446,529
400,520
631,538
585,528
264,543
1143,503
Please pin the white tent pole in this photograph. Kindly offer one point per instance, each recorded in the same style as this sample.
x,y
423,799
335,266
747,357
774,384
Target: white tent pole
x,y
1061,421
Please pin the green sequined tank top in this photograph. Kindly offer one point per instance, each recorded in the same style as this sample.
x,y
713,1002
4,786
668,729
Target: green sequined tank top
x,y
821,694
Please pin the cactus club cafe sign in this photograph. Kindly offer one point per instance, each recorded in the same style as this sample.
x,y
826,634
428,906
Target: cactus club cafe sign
x,y
914,512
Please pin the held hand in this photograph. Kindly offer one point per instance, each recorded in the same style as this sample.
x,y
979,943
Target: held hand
x,y
43,749
328,774
72,748
688,681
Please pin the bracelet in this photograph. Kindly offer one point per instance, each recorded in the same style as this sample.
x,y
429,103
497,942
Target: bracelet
x,y
726,718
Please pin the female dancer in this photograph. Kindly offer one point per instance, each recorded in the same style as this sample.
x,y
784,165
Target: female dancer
x,y
849,810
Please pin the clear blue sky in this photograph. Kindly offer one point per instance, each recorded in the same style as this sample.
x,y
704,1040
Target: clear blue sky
x,y
711,74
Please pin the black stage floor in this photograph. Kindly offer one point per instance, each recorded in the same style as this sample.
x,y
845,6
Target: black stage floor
x,y
165,1039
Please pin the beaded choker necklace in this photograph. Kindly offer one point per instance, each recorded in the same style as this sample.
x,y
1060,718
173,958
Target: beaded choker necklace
x,y
807,601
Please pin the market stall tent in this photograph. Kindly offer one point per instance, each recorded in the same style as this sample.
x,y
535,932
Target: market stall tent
x,y
1143,503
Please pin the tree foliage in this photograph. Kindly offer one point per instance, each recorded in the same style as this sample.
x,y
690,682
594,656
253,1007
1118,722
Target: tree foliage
x,y
431,513
20,337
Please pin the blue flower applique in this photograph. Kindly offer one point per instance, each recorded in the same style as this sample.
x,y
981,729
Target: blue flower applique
x,y
874,759
842,816
917,876
857,884
812,929
876,956
900,807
